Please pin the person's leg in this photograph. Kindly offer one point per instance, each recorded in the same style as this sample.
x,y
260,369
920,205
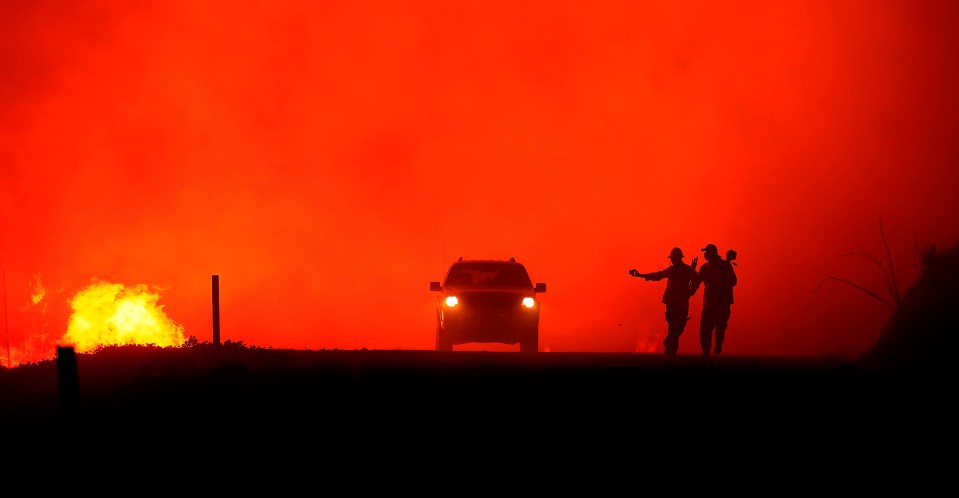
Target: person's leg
x,y
720,336
672,341
676,314
668,340
706,325
721,323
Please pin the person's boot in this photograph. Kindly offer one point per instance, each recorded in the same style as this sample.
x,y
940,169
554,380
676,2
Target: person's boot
x,y
719,348
671,348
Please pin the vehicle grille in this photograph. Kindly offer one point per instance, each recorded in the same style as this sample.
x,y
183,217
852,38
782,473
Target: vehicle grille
x,y
491,301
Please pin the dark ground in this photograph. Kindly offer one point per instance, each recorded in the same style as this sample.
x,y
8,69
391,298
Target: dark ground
x,y
362,404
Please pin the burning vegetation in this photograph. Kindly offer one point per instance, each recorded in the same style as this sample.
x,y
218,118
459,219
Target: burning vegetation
x,y
106,313
101,314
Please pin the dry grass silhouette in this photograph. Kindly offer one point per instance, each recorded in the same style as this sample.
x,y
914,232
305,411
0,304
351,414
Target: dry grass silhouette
x,y
920,334
886,270
923,320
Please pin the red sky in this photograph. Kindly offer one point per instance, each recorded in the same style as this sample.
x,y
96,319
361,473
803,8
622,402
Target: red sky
x,y
329,159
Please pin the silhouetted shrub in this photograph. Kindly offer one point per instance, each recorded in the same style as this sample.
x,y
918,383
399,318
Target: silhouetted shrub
x,y
921,333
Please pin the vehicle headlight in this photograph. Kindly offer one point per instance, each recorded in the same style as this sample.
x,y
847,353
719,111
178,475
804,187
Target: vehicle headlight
x,y
451,301
529,302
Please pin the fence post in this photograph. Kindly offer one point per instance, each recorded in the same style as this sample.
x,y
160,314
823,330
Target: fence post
x,y
68,381
216,310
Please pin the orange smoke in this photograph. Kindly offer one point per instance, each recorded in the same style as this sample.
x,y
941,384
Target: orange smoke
x,y
107,314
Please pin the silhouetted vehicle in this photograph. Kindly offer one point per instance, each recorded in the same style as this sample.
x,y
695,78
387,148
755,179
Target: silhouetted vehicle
x,y
487,301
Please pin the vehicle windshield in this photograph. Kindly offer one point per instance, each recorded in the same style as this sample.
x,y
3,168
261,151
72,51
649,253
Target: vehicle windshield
x,y
480,273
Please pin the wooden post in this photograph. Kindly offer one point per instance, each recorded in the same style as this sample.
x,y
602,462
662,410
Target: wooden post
x,y
68,380
6,324
216,310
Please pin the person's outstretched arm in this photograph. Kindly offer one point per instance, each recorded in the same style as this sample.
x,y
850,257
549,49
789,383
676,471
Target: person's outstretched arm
x,y
635,273
656,275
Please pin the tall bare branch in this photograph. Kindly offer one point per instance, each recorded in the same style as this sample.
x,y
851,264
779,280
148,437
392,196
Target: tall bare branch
x,y
885,269
891,280
857,286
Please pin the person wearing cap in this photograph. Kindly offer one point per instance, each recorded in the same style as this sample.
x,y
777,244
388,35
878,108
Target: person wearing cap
x,y
718,278
678,277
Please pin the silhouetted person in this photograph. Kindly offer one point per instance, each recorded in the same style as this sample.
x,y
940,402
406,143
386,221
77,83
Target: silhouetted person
x,y
678,277
718,279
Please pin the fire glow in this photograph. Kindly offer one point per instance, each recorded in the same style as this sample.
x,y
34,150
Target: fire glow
x,y
39,292
107,313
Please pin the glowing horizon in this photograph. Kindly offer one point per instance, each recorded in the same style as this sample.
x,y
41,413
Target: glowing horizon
x,y
328,160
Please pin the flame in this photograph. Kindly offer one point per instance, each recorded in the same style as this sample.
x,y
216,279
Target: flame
x,y
107,314
648,341
38,291
643,346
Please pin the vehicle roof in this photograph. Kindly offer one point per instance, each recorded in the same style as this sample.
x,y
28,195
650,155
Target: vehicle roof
x,y
510,260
